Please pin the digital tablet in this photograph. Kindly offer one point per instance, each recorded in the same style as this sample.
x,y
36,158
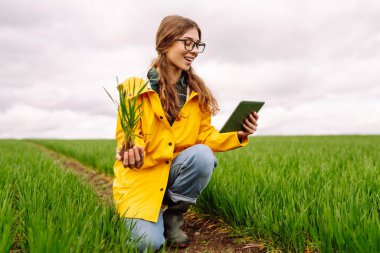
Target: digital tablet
x,y
241,112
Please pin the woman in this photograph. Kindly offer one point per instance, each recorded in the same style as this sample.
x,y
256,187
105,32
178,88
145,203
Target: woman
x,y
173,159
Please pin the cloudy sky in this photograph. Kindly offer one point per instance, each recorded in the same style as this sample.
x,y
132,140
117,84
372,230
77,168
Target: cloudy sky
x,y
316,64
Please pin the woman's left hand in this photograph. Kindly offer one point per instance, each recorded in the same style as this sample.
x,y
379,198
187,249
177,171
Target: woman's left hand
x,y
250,125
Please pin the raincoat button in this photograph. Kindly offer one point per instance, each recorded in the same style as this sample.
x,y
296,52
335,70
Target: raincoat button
x,y
167,162
161,189
161,117
170,143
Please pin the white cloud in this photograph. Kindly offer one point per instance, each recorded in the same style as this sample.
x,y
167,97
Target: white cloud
x,y
306,59
22,121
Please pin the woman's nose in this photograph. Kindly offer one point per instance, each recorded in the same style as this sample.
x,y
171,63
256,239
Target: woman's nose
x,y
194,51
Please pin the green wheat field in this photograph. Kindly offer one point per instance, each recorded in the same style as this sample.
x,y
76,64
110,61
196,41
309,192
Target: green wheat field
x,y
293,194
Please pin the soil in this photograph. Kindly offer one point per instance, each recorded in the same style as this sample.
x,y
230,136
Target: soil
x,y
206,233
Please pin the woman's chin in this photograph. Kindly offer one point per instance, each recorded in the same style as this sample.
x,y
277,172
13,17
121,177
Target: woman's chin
x,y
186,67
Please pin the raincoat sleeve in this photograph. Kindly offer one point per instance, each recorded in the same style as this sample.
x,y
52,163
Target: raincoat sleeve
x,y
211,137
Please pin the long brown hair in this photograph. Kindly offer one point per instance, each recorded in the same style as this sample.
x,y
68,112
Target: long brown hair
x,y
171,28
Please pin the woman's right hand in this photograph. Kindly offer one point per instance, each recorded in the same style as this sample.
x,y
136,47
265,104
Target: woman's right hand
x,y
133,158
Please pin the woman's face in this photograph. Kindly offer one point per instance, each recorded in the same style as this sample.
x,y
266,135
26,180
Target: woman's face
x,y
178,56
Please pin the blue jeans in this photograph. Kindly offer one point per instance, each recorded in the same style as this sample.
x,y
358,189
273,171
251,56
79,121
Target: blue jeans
x,y
190,173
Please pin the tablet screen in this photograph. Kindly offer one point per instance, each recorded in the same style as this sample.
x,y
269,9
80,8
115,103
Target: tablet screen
x,y
241,112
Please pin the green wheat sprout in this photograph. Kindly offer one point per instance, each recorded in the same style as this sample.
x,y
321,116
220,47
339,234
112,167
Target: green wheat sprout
x,y
129,112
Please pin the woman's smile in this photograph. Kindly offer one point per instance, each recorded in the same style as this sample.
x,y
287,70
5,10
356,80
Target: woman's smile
x,y
189,60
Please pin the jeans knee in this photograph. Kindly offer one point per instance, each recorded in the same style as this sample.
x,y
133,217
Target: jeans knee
x,y
158,242
205,156
153,241
145,234
205,160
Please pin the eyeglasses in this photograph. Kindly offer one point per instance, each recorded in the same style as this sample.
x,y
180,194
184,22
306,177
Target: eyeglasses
x,y
190,44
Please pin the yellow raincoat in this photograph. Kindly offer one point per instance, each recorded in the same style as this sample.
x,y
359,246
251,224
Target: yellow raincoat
x,y
139,193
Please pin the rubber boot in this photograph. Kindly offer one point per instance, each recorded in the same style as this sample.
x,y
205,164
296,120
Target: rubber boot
x,y
173,221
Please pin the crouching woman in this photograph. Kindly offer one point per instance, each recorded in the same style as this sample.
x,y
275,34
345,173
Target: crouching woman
x,y
173,157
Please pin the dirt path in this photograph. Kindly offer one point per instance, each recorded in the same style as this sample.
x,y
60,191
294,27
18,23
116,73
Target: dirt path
x,y
206,234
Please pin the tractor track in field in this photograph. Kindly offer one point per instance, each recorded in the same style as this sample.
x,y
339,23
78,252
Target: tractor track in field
x,y
206,233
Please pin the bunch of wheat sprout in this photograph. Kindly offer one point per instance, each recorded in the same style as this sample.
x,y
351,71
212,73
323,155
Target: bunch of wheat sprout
x,y
129,113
